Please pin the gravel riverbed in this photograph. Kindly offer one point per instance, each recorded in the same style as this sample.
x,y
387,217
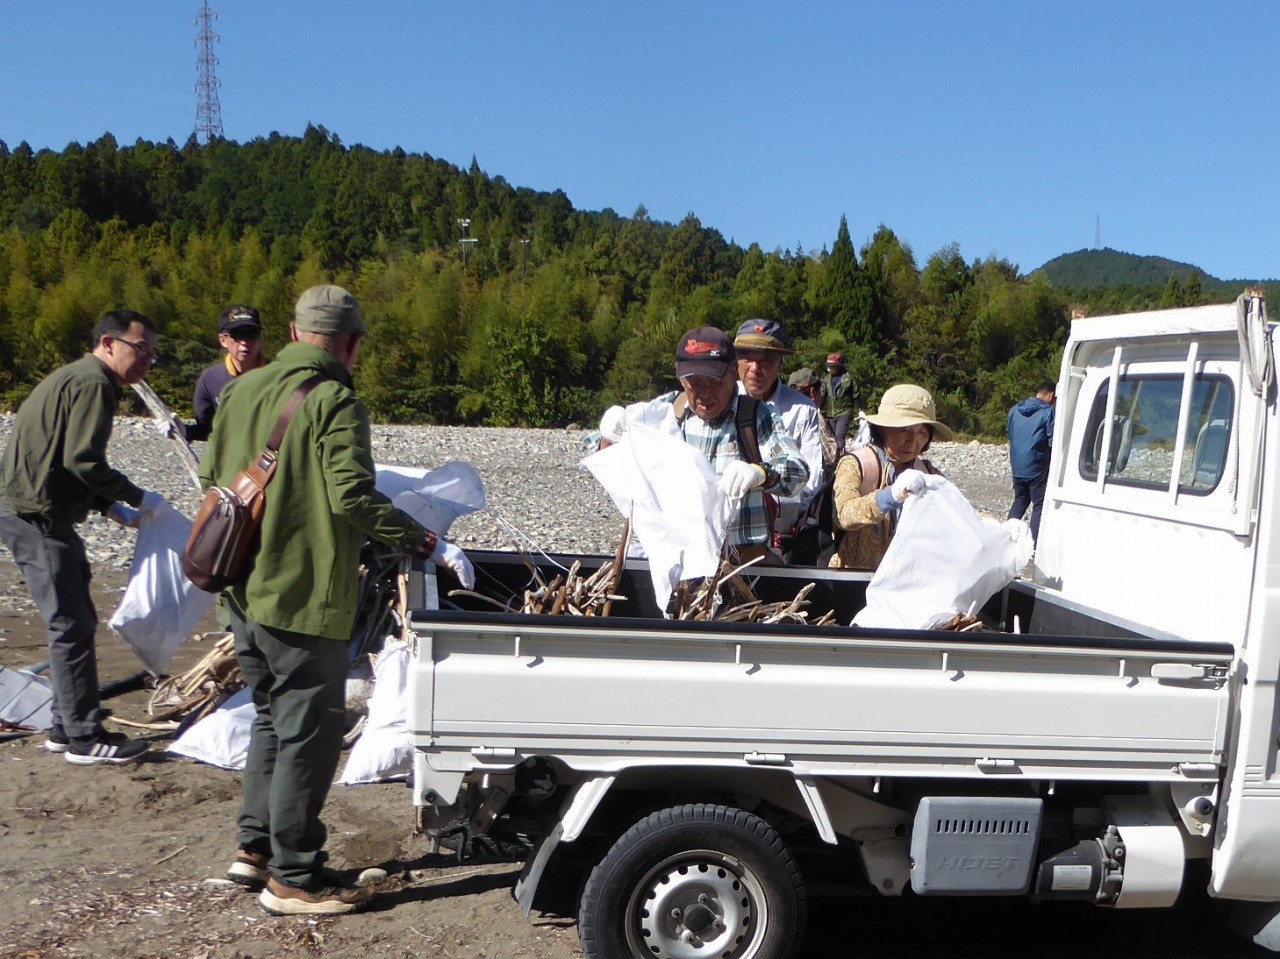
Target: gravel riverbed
x,y
532,481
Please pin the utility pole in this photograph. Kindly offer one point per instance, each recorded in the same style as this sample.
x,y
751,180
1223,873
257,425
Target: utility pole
x,y
524,252
466,240
208,109
1097,232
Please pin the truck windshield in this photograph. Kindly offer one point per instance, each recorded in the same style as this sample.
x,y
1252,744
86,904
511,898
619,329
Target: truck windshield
x,y
1145,431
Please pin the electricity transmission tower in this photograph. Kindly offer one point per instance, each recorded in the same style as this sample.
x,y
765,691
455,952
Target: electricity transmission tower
x,y
208,109
466,240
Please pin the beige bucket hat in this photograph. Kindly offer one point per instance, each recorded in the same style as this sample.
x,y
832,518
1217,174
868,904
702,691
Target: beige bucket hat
x,y
908,405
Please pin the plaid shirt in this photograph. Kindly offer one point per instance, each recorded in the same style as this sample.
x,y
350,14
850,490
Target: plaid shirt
x,y
785,468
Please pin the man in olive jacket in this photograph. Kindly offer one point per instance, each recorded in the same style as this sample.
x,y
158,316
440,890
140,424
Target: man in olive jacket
x,y
55,471
293,614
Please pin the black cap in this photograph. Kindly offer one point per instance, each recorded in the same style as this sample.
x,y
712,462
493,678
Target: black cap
x,y
235,318
704,351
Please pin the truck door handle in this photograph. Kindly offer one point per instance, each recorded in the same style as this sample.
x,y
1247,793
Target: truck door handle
x,y
1182,671
765,759
493,752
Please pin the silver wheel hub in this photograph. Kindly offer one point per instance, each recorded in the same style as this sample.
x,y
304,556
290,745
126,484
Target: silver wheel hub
x,y
697,905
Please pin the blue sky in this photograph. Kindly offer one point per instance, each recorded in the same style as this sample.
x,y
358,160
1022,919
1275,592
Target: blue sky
x,y
1008,128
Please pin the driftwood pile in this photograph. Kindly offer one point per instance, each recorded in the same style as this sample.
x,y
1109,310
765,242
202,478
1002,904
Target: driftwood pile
x,y
962,623
568,593
707,601
190,696
574,594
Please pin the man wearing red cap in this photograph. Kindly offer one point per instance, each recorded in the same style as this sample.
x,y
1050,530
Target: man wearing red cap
x,y
705,415
839,397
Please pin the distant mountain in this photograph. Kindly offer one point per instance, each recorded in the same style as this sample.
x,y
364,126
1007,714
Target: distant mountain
x,y
1090,269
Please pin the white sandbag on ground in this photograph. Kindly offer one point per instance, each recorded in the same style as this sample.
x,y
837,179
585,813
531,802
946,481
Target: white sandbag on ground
x,y
160,607
25,699
944,559
221,738
383,751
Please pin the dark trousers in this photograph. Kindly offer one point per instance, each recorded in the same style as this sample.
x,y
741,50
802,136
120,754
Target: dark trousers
x,y
52,559
299,690
840,428
1029,493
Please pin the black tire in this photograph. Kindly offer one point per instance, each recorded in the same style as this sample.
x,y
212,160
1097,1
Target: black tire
x,y
715,873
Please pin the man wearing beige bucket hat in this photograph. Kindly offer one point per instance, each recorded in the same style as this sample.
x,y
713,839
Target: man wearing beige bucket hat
x,y
873,481
761,346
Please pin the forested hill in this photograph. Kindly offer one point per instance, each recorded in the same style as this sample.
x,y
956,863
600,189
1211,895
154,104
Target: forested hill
x,y
543,316
1108,280
1087,269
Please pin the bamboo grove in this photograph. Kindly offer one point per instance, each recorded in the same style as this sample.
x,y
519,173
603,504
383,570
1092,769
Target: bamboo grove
x,y
548,316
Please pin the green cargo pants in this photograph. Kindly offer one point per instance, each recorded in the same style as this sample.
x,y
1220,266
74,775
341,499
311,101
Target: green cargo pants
x,y
299,690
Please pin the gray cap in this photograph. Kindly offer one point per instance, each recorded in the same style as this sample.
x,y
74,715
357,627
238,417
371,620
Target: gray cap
x,y
328,309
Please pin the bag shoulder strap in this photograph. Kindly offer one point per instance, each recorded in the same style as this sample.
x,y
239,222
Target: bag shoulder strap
x,y
870,464
263,466
745,421
290,408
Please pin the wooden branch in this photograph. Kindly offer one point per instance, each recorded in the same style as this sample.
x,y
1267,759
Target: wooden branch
x,y
166,415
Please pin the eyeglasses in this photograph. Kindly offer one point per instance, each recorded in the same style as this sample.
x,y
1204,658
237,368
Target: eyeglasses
x,y
700,384
244,336
142,349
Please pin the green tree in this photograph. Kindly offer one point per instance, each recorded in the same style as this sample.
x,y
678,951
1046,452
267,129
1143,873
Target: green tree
x,y
845,298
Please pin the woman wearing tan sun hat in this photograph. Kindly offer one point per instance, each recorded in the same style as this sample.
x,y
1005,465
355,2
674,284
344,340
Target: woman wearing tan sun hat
x,y
873,481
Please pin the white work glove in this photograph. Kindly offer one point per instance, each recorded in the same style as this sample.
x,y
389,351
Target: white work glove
x,y
908,482
739,478
151,502
124,515
446,554
613,424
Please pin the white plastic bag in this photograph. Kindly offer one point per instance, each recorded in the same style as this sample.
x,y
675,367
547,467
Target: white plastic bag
x,y
160,606
863,436
25,699
221,738
435,498
944,559
668,489
383,750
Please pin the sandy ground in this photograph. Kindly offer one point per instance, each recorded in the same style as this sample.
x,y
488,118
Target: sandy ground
x,y
126,862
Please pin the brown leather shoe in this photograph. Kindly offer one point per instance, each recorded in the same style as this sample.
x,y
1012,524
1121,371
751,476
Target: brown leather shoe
x,y
249,869
280,899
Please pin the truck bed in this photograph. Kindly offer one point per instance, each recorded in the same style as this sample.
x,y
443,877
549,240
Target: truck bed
x,y
1072,696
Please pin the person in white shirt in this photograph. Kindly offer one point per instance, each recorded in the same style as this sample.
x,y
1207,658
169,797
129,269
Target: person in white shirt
x,y
761,347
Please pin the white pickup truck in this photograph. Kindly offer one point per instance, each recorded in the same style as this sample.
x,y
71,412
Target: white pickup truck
x,y
1117,722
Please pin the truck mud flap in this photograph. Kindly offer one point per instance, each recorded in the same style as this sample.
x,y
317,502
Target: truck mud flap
x,y
526,889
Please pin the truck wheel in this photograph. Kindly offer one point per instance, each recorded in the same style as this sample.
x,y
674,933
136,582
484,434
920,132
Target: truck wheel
x,y
694,882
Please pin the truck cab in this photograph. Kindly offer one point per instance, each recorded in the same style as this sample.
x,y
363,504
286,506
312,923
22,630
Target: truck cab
x,y
1159,510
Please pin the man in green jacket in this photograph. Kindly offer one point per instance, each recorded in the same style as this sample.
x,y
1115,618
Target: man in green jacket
x,y
293,614
55,471
839,398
